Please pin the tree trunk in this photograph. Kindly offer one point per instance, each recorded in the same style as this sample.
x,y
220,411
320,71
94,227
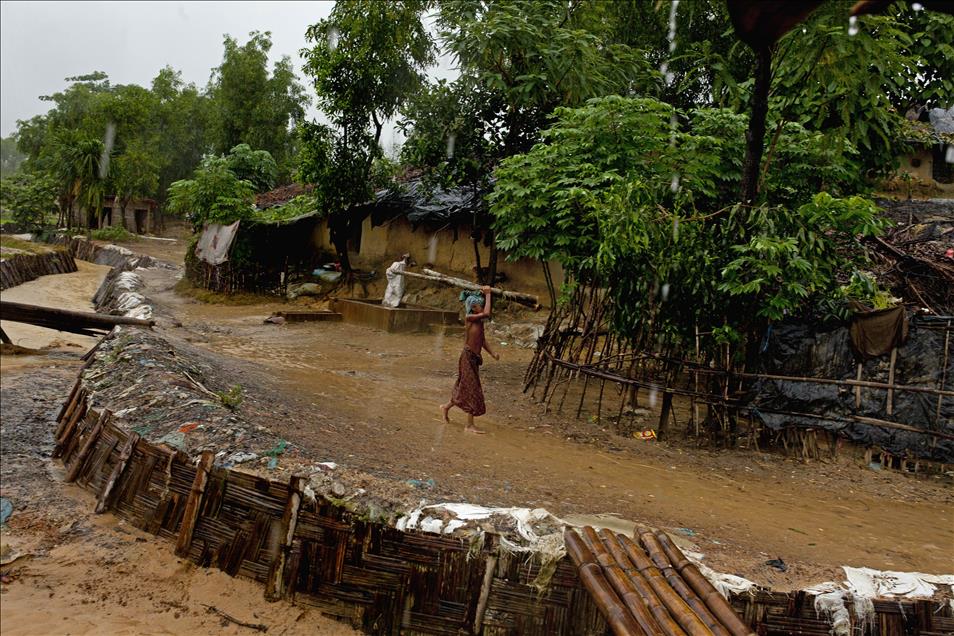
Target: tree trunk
x,y
338,226
755,135
492,266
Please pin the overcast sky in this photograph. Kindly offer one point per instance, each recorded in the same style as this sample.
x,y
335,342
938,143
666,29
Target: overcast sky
x,y
43,42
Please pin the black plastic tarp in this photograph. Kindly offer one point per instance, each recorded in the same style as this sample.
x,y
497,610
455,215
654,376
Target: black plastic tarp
x,y
799,350
421,204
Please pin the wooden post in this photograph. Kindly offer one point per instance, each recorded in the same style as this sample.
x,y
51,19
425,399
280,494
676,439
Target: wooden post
x,y
191,514
947,353
79,411
102,503
662,428
73,391
894,357
485,592
84,452
67,409
861,366
275,585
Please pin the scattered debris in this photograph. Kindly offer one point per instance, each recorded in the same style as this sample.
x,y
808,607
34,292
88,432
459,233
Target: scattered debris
x,y
212,609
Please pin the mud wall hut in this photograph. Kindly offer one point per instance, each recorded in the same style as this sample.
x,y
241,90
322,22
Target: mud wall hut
x,y
140,215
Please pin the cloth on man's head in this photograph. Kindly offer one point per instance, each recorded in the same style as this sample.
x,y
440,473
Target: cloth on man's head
x,y
471,298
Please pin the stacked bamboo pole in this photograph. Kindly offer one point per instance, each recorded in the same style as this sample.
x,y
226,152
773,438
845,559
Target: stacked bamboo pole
x,y
651,584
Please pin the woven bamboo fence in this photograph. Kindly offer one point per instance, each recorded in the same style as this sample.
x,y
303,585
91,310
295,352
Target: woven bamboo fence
x,y
373,576
376,578
21,268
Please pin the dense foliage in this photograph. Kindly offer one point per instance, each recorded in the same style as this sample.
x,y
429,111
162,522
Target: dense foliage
x,y
367,58
133,142
621,199
30,198
214,194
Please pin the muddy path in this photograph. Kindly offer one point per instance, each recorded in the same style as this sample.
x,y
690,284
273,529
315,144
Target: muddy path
x,y
80,573
67,570
369,401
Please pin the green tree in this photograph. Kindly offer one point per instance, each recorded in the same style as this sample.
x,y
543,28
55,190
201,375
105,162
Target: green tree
x,y
10,156
597,195
367,58
182,127
214,194
135,174
30,198
255,166
527,57
252,106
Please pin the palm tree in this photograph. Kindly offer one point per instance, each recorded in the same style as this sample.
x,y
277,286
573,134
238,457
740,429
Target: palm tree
x,y
77,165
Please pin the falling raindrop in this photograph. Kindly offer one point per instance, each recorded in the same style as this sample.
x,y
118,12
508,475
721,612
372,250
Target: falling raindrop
x,y
675,229
672,25
432,249
853,25
949,154
332,38
665,292
451,141
108,140
674,184
653,394
917,6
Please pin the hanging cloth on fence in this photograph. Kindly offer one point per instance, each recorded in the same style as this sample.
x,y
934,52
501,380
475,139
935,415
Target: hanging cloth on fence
x,y
875,332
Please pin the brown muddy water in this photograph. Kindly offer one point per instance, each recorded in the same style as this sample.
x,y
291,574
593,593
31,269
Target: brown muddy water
x,y
369,400
67,291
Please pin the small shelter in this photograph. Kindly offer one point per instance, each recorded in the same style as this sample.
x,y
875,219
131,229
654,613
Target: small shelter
x,y
931,161
140,216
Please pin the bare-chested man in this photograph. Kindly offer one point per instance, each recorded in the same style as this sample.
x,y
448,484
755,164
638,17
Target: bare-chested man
x,y
468,396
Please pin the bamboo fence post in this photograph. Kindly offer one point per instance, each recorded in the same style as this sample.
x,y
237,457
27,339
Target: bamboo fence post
x,y
191,514
894,358
68,402
484,592
275,585
662,429
67,411
79,411
947,353
103,501
80,460
858,387
695,386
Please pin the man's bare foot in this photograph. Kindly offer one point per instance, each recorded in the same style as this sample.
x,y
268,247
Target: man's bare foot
x,y
444,410
473,429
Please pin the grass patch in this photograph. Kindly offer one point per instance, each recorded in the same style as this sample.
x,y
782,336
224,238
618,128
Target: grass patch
x,y
232,398
185,288
114,234
11,246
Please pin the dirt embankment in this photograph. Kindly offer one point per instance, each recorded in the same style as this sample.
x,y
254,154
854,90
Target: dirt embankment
x,y
68,571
